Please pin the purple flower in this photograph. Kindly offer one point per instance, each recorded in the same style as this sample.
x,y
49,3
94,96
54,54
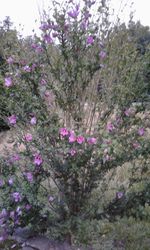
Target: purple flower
x,y
129,112
3,213
48,39
16,196
50,198
90,40
1,183
72,137
80,139
27,68
106,158
55,27
74,13
43,81
2,222
12,215
12,119
119,195
110,127
87,15
136,145
3,236
38,159
33,66
33,45
72,152
28,207
39,49
10,181
19,211
8,82
102,54
28,137
84,25
141,131
54,34
15,157
44,26
29,176
89,3
33,120
118,121
63,131
13,246
91,140
10,60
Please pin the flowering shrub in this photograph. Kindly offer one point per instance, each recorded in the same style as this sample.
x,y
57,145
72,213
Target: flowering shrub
x,y
69,145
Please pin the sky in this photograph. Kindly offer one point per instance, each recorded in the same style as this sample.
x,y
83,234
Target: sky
x,y
25,14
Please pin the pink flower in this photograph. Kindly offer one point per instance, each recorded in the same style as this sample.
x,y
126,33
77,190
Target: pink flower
x,y
29,176
38,159
33,66
141,131
23,62
34,45
33,120
129,112
91,140
80,139
110,127
50,198
43,81
15,157
106,151
63,131
136,145
102,54
8,82
72,152
10,60
28,137
47,93
12,119
90,40
39,49
72,137
118,121
107,157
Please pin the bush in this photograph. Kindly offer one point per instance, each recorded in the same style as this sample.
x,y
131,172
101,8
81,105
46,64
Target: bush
x,y
66,153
